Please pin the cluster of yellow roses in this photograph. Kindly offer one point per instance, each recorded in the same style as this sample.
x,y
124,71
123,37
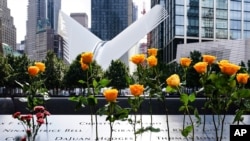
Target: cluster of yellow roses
x,y
225,67
139,59
38,67
174,80
201,67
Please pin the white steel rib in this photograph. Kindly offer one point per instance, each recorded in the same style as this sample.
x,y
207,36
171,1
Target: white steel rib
x,y
79,39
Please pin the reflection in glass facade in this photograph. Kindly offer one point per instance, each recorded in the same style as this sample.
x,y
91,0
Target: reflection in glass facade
x,y
203,20
109,18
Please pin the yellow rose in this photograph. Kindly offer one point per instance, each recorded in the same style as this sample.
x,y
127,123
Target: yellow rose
x,y
40,65
223,61
136,89
173,80
152,61
229,68
201,67
138,59
110,94
185,62
152,51
33,70
84,66
242,78
209,59
87,57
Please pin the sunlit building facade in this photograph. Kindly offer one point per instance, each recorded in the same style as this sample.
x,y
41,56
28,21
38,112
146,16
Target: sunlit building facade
x,y
7,27
42,28
192,21
81,18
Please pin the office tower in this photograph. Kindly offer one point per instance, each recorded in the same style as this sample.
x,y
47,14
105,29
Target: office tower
x,y
192,21
81,18
109,18
7,27
41,34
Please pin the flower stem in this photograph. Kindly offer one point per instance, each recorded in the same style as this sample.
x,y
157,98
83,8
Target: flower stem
x,y
192,123
166,110
215,127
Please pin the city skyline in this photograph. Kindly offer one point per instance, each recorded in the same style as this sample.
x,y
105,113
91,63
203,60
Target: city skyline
x,y
19,13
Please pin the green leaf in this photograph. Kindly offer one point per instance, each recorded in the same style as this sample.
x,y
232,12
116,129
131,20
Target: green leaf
x,y
186,130
170,89
184,99
244,93
213,77
149,128
104,82
182,108
92,100
192,97
82,81
232,83
197,116
95,84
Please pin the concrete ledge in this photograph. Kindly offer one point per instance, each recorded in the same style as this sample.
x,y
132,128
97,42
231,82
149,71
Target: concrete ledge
x,y
6,105
63,106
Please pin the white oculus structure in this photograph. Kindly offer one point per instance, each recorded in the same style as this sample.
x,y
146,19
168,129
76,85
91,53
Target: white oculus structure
x,y
79,39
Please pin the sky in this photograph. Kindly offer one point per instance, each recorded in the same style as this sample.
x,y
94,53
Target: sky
x,y
19,12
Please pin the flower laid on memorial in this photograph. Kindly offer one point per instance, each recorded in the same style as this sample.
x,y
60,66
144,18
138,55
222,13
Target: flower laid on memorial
x,y
112,110
35,90
223,85
93,85
32,122
36,95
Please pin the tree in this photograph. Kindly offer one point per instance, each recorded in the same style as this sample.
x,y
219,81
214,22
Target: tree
x,y
4,71
55,70
192,76
18,71
75,73
118,73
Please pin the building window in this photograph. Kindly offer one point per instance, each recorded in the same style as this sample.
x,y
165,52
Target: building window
x,y
246,25
193,11
247,16
222,14
180,2
179,30
207,32
207,3
235,34
221,23
179,20
246,34
246,6
235,5
221,4
179,10
206,22
221,33
193,31
235,24
235,15
193,21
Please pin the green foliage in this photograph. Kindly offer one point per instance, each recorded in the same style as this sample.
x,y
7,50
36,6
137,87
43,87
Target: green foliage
x,y
118,73
5,70
187,130
55,71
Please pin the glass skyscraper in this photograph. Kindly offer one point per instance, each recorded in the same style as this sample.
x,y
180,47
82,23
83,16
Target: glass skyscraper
x,y
7,27
192,21
41,28
110,17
